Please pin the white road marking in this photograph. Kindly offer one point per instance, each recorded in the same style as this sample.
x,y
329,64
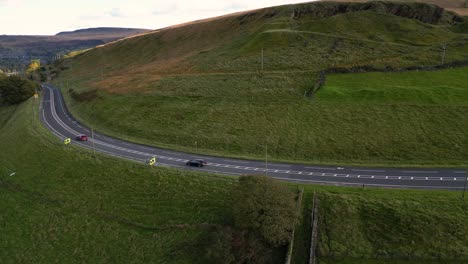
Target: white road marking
x,y
320,168
368,170
65,127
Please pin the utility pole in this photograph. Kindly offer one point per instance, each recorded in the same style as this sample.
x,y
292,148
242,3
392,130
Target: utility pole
x,y
262,59
464,187
92,136
266,159
444,52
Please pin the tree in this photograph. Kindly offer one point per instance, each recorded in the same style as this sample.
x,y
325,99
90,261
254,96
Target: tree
x,y
34,66
14,89
265,207
33,70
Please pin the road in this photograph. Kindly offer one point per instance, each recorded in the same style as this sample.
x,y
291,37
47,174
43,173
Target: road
x,y
58,120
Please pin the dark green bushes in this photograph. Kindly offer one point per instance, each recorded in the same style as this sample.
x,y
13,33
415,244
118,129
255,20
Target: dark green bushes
x,y
14,90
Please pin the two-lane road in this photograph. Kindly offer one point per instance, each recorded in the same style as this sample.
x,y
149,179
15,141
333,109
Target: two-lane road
x,y
58,120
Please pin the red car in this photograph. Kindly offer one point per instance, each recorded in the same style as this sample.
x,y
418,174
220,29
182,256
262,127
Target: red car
x,y
82,138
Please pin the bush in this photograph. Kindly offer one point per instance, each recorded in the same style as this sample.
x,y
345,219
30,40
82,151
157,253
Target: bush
x,y
14,89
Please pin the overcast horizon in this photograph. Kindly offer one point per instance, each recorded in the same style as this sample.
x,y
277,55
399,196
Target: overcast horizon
x,y
27,17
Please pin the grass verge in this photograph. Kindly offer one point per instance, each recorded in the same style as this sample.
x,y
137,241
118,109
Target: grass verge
x,y
386,226
64,204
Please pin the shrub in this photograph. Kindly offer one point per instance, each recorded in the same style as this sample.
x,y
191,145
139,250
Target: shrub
x,y
14,89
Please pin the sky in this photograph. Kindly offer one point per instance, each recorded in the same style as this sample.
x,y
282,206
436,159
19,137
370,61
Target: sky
x,y
49,17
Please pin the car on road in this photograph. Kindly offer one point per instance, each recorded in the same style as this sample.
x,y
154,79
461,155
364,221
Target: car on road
x,y
82,137
196,163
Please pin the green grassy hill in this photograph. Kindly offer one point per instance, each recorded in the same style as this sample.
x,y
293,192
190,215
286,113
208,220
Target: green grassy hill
x,y
66,204
200,86
458,6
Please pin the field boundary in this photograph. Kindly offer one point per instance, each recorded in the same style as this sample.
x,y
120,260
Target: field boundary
x,y
314,224
291,241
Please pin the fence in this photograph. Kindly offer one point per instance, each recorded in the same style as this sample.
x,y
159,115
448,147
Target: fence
x,y
291,242
314,223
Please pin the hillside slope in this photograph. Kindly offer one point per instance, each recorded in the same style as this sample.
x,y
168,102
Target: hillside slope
x,y
458,6
201,86
67,204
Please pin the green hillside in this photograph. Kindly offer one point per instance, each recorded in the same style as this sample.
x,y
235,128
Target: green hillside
x,y
66,203
200,87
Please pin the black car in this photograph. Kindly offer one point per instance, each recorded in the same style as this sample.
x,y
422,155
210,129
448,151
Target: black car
x,y
196,163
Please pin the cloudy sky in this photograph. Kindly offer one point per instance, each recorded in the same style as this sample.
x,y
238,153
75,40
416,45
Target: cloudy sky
x,y
48,17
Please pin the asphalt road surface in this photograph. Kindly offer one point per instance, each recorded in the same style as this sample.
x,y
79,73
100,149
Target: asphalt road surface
x,y
58,120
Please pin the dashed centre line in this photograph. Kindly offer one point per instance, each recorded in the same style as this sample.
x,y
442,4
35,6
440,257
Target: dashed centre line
x,y
368,170
257,167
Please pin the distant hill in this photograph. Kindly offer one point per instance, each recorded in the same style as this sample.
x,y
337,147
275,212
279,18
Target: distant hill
x,y
102,32
16,51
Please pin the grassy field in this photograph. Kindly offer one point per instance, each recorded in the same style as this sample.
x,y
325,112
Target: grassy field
x,y
64,204
443,88
413,118
372,226
200,88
